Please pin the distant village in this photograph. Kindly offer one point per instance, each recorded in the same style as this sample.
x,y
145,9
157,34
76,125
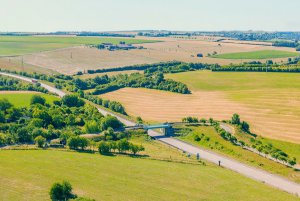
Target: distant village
x,y
120,46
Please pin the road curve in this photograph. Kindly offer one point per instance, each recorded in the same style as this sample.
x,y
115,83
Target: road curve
x,y
251,172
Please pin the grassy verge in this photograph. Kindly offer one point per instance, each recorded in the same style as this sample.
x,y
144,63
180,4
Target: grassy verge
x,y
212,140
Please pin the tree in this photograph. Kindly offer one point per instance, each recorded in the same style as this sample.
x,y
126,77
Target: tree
x,y
77,142
139,120
235,119
5,105
91,127
2,117
110,121
245,127
123,145
72,100
61,192
37,99
40,141
136,148
103,148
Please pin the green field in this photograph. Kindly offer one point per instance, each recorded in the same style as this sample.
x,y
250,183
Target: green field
x,y
28,175
18,45
264,54
22,99
231,81
218,144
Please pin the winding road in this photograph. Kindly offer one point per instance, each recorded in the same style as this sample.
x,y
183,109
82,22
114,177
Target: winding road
x,y
248,171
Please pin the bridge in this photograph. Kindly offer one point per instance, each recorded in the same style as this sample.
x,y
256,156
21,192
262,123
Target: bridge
x,y
166,128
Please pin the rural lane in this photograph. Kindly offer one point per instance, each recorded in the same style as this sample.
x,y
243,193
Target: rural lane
x,y
251,172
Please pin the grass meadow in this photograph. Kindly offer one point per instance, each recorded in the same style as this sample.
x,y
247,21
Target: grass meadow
x,y
22,98
28,175
263,54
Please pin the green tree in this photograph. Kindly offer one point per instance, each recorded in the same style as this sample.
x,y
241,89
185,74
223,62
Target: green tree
x,y
235,119
136,148
5,105
2,117
61,191
110,121
123,145
103,148
37,99
91,127
40,141
72,100
245,127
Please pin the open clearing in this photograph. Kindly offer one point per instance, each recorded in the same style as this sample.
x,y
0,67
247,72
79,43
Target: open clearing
x,y
264,54
170,49
18,45
28,175
22,98
270,102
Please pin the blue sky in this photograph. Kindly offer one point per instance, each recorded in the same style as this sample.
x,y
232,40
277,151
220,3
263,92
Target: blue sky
x,y
113,15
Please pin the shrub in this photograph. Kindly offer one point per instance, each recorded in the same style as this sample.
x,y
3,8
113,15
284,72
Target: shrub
x,y
40,141
197,138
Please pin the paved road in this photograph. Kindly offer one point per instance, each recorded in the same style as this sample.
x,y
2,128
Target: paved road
x,y
48,87
251,172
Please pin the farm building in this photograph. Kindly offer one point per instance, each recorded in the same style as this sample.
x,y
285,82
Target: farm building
x,y
121,46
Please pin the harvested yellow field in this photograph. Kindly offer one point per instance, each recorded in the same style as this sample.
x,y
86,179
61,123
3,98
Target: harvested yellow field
x,y
81,58
273,110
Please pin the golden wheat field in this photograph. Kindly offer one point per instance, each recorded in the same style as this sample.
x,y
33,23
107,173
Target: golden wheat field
x,y
273,110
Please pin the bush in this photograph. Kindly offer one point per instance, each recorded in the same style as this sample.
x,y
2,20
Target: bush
x,y
110,121
103,148
61,192
40,141
37,99
197,138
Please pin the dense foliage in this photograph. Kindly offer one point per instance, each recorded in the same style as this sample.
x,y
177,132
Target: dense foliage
x,y
49,121
11,84
292,66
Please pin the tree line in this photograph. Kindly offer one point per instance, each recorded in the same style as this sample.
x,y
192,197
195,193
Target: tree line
x,y
12,84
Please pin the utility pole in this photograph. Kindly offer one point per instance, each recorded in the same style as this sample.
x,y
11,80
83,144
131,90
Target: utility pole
x,y
22,64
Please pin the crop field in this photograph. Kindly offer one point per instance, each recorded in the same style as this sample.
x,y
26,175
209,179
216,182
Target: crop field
x,y
264,54
18,45
28,175
268,101
22,98
73,59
